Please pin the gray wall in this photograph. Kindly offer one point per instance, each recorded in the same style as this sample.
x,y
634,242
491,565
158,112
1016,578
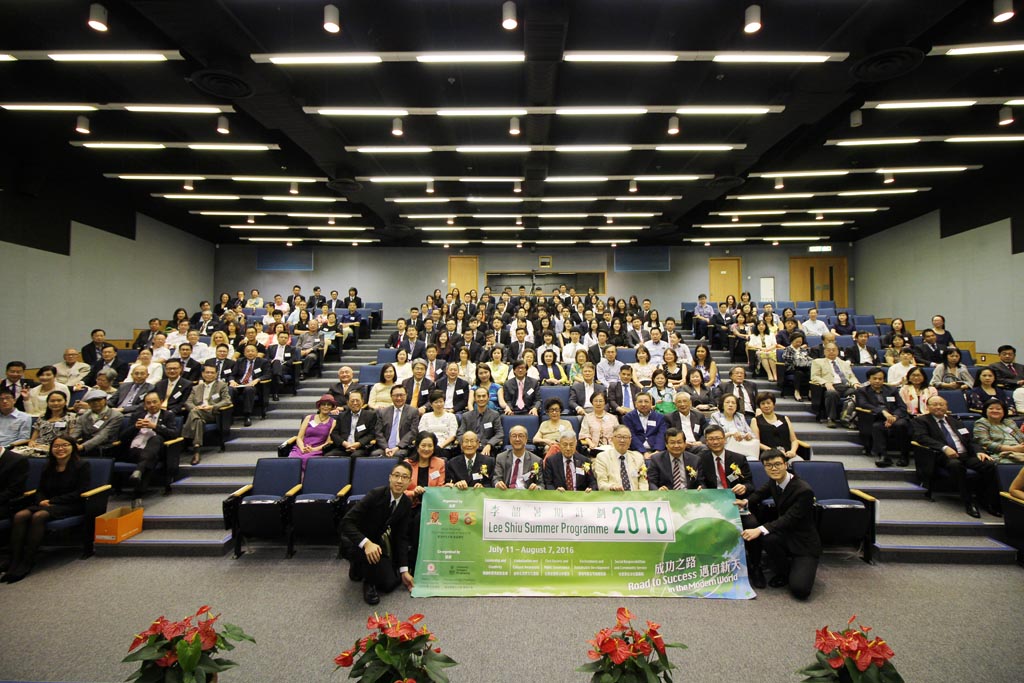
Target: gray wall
x,y
401,277
107,281
972,279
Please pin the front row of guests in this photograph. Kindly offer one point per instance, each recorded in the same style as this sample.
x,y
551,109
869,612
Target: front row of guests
x,y
381,533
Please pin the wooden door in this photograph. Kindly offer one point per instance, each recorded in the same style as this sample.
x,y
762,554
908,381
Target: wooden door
x,y
813,278
724,278
463,273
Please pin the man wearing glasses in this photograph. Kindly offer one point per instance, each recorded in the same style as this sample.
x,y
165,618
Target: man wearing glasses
x,y
374,536
791,541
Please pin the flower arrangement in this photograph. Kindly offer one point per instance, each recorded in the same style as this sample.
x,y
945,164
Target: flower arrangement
x,y
183,650
850,652
396,650
624,654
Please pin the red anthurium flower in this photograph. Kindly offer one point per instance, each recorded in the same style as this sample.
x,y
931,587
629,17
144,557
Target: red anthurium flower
x,y
880,652
652,626
641,646
862,659
621,652
345,658
416,618
826,641
852,619
622,617
837,662
139,640
167,660
657,640
207,636
203,610
173,629
403,631
437,650
594,654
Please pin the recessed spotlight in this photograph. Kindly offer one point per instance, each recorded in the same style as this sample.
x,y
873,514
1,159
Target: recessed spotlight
x,y
819,216
288,244
451,220
82,125
430,187
332,19
513,126
609,220
752,19
396,127
330,221
888,178
1005,116
98,17
673,125
775,243
632,186
856,118
509,22
222,125
293,188
189,185
735,219
780,184
519,220
250,220
517,187
1002,10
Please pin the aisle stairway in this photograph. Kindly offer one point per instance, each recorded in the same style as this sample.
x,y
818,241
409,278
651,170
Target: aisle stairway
x,y
910,529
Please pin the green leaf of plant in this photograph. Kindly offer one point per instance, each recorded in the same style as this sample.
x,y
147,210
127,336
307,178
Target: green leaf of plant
x,y
590,666
145,653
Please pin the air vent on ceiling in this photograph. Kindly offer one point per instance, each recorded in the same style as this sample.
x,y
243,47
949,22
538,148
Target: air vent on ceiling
x,y
223,84
887,64
726,182
344,185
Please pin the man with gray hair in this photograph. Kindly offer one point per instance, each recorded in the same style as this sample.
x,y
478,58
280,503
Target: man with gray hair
x,y
100,426
312,347
568,470
469,469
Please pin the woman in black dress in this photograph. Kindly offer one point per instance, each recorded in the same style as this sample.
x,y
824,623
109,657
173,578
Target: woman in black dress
x,y
61,485
774,431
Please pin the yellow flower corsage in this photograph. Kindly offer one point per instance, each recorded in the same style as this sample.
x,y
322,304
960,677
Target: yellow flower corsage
x,y
586,467
643,472
735,468
483,470
692,472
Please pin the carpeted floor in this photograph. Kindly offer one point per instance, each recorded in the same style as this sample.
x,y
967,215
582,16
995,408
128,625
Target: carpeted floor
x,y
73,620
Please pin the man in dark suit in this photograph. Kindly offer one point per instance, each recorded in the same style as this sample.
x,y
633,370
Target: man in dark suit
x,y
374,536
129,396
353,298
223,364
145,338
502,336
93,351
860,353
174,389
469,342
15,382
145,439
674,468
293,297
456,390
108,359
1009,374
951,446
469,469
412,344
928,353
718,328
13,478
346,383
484,422
519,395
251,369
596,352
357,430
646,426
435,367
418,387
582,393
396,338
791,541
334,304
883,419
743,389
398,423
515,350
568,470
514,468
282,357
191,369
691,423
316,300
622,395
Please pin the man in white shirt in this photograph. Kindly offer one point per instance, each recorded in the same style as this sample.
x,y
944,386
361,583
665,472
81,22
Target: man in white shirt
x,y
161,353
574,345
898,372
608,368
179,335
656,345
814,326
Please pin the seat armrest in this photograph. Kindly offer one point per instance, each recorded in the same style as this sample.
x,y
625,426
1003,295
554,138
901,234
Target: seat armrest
x,y
174,442
99,489
348,487
226,406
241,492
863,410
1007,497
857,493
293,490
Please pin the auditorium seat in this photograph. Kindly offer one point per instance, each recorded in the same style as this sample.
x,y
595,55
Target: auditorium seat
x,y
262,508
531,422
127,355
386,356
318,509
96,498
166,470
560,392
780,306
844,515
827,304
804,304
369,473
957,405
859,320
625,355
845,341
221,429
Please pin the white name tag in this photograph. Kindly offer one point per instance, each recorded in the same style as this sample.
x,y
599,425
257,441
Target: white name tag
x,y
459,392
425,391
488,425
963,430
477,476
696,429
529,392
257,371
60,425
890,399
434,475
98,424
176,394
360,428
227,372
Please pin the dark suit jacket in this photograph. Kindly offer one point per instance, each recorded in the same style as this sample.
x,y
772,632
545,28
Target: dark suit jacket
x,y
487,427
925,356
260,370
368,428
176,402
371,518
659,471
554,473
728,387
595,353
425,386
889,399
168,427
315,302
711,477
514,349
795,523
634,338
336,305
655,434
417,350
143,341
484,355
697,422
226,370
392,342
13,478
460,400
531,394
117,365
615,396
926,431
119,397
578,394
340,393
456,471
407,424
291,354
853,355
349,299
89,354
503,338
1005,379
473,347
192,370
439,366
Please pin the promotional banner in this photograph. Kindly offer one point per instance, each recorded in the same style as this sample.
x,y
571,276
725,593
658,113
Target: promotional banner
x,y
610,543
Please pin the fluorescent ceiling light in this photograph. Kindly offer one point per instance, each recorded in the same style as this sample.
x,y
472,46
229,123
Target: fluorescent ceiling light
x,y
799,174
647,198
771,57
554,241
600,111
700,110
627,228
565,228
803,224
987,138
321,215
727,225
922,169
230,213
717,239
294,198
8,58
1014,103
48,107
352,240
562,215
665,178
925,104
694,148
418,200
470,57
874,141
270,179
337,228
161,177
492,149
394,150
173,109
447,241
620,57
127,56
747,213
977,49
400,179
246,226
482,111
613,242
593,148
361,111
629,215
190,195
273,239
491,179
554,200
576,179
790,239
123,145
227,147
495,200
782,195
865,193
443,228
321,58
500,228
868,209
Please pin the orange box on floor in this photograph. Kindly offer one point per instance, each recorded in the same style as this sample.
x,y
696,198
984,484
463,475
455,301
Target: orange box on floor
x,y
118,524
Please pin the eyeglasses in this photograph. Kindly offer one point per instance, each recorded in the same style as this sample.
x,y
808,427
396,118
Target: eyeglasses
x,y
401,476
60,446
774,465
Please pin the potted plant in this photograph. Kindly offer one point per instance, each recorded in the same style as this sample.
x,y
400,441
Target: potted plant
x,y
850,656
395,650
626,655
185,651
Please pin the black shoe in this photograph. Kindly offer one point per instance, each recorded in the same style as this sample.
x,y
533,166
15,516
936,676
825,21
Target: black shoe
x,y
883,461
993,510
370,594
248,421
757,579
831,424
275,397
972,510
778,581
354,573
16,574
902,462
